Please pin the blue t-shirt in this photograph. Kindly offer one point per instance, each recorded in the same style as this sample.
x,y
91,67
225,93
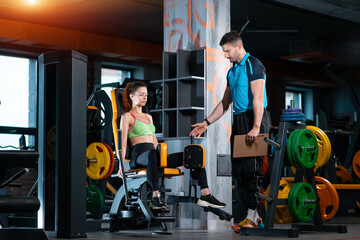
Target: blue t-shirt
x,y
239,78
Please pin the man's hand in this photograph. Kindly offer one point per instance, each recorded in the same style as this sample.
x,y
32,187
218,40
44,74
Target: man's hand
x,y
251,136
199,128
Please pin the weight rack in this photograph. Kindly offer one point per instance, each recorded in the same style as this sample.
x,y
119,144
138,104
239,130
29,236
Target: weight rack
x,y
273,200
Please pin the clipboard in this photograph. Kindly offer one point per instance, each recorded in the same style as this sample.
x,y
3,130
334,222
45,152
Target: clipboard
x,y
242,148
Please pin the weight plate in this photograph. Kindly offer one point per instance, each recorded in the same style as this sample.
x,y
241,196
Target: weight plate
x,y
356,164
343,175
328,198
292,110
306,148
300,209
94,201
324,146
112,161
282,214
98,161
290,147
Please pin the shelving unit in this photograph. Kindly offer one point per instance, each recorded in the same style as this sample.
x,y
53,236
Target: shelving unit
x,y
183,93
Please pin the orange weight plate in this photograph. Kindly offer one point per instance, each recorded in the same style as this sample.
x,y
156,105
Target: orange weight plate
x,y
343,174
356,164
329,199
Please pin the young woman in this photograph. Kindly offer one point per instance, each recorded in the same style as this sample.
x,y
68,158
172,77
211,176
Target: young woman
x,y
138,127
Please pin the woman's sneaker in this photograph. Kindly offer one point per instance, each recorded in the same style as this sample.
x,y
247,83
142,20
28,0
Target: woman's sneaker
x,y
157,204
210,201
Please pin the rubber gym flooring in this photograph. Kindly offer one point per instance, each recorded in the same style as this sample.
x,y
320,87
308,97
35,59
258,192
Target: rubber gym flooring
x,y
352,223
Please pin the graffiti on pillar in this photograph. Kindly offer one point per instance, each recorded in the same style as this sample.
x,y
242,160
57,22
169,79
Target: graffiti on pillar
x,y
185,24
216,57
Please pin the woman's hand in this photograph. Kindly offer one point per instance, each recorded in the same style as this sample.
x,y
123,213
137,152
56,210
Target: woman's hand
x,y
119,173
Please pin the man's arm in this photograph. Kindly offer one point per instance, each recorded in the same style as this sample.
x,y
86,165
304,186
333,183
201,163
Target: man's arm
x,y
219,111
257,89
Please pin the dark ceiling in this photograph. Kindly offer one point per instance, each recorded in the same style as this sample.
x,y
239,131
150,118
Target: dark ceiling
x,y
314,31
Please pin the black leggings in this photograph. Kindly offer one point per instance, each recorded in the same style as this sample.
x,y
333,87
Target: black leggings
x,y
148,160
247,171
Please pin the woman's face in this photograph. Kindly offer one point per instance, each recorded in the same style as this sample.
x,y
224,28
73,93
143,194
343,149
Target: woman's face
x,y
140,97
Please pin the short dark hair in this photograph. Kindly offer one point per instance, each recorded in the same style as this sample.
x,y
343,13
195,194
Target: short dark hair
x,y
230,37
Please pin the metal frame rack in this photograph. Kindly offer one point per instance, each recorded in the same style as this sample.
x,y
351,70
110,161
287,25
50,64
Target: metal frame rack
x,y
273,200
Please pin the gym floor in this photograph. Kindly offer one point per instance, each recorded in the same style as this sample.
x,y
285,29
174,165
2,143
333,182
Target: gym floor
x,y
352,224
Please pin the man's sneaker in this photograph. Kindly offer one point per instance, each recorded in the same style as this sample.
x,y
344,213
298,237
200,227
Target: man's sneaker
x,y
260,223
157,204
210,201
246,223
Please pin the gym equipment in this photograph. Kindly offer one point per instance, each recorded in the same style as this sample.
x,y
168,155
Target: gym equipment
x,y
292,115
194,156
347,83
51,143
62,90
19,204
328,197
356,164
94,201
112,161
302,201
130,207
98,161
280,150
282,215
302,148
324,146
343,175
292,111
196,153
265,166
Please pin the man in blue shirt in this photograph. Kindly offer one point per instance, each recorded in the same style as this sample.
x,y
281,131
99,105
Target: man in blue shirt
x,y
246,91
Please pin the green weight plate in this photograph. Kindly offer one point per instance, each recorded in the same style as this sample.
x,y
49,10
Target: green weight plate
x,y
94,201
306,148
300,209
294,139
296,161
290,148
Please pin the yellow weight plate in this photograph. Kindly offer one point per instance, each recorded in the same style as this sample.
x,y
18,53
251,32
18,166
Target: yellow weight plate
x,y
324,146
282,214
98,160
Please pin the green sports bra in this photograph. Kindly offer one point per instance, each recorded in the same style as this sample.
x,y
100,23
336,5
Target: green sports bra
x,y
141,128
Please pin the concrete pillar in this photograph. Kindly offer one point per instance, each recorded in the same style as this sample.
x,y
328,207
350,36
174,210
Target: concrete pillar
x,y
192,25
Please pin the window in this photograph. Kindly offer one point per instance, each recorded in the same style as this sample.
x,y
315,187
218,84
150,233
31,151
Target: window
x,y
109,76
292,95
304,99
18,87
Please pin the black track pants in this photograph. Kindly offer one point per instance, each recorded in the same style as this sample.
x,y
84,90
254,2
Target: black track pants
x,y
247,171
150,162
